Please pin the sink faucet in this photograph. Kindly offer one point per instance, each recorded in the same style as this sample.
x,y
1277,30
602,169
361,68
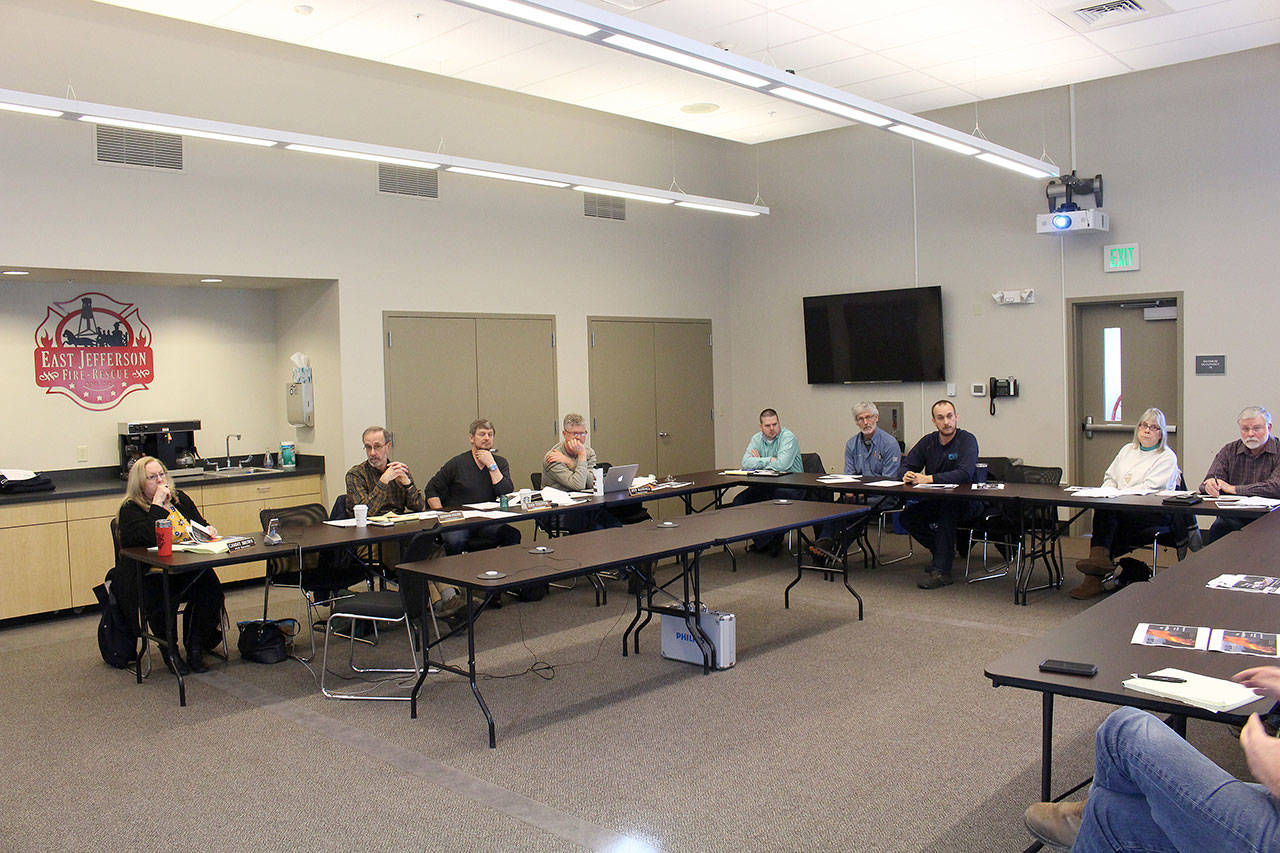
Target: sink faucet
x,y
230,436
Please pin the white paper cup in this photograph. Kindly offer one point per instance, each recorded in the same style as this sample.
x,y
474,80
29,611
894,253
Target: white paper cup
x,y
598,474
362,515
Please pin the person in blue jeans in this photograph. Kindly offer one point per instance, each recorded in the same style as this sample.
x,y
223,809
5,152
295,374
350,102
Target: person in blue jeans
x,y
1153,791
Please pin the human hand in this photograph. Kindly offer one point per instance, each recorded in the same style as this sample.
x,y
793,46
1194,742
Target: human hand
x,y
483,458
162,495
395,471
755,453
1262,752
1265,680
1211,487
575,447
556,456
213,531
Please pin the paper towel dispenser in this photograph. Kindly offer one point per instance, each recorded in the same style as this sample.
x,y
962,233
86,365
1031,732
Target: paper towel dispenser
x,y
300,404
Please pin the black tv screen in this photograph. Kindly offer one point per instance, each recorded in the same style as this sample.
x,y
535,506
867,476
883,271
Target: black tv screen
x,y
875,336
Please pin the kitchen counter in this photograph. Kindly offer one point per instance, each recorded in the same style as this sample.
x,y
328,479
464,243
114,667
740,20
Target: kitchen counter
x,y
96,482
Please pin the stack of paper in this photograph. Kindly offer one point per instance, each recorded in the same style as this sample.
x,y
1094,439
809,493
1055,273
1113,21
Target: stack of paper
x,y
1110,492
1212,694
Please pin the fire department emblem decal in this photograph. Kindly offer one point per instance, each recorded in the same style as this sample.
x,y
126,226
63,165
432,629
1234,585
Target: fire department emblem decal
x,y
94,350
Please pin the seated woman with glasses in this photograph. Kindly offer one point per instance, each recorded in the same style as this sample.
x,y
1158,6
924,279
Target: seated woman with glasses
x,y
1145,463
150,498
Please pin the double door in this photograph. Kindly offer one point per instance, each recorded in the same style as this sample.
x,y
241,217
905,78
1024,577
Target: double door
x,y
444,371
652,396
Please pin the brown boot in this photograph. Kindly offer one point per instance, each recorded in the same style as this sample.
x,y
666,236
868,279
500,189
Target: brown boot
x,y
1055,824
1097,563
1091,586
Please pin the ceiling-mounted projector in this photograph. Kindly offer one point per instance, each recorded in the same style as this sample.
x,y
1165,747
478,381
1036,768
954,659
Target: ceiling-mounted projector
x,y
1072,220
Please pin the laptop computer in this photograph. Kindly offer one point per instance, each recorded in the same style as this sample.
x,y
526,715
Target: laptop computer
x,y
619,477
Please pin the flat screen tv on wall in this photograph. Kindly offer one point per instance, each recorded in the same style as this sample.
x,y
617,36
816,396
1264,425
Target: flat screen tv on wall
x,y
875,336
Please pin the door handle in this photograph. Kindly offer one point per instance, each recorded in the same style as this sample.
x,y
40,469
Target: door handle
x,y
664,435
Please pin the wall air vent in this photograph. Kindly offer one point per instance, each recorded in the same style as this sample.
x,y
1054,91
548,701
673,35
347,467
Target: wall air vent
x,y
604,206
407,180
1101,15
131,147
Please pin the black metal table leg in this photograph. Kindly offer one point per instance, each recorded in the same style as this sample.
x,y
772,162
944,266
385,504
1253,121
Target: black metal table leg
x,y
1046,747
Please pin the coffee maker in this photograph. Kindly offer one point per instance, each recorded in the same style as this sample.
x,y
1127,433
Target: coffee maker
x,y
172,442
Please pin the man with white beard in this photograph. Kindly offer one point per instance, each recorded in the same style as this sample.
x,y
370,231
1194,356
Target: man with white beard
x,y
1249,465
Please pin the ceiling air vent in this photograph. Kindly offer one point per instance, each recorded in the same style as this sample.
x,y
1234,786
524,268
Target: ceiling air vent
x,y
407,180
1100,15
604,206
131,147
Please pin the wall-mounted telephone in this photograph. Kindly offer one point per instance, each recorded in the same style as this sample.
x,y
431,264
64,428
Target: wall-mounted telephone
x,y
1001,388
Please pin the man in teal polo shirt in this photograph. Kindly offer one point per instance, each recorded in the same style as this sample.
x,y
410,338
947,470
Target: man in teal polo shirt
x,y
773,448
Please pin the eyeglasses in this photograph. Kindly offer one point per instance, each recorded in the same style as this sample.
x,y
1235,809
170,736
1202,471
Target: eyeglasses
x,y
374,447
1260,428
577,433
157,477
1149,427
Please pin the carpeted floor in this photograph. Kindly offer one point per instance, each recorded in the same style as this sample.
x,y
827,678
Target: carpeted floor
x,y
829,734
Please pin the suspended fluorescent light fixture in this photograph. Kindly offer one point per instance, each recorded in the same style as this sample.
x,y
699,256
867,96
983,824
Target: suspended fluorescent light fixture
x,y
70,110
693,63
716,209
828,105
933,139
360,155
33,111
1022,168
180,131
505,176
622,194
534,15
623,33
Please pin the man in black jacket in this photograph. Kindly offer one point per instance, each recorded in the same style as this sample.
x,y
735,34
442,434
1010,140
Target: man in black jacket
x,y
475,476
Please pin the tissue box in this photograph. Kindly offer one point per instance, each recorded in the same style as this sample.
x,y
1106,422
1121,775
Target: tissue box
x,y
678,644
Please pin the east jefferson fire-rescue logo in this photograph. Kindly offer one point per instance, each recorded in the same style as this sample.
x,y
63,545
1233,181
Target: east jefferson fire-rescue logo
x,y
94,350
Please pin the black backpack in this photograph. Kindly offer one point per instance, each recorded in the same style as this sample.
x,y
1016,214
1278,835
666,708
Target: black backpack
x,y
117,640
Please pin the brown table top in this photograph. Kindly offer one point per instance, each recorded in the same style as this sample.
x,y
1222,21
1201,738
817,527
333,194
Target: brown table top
x,y
601,549
1178,595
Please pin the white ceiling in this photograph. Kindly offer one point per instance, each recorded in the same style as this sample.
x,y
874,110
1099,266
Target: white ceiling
x,y
915,55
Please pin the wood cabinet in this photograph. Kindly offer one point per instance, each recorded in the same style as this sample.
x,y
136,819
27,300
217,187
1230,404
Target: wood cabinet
x,y
53,553
33,558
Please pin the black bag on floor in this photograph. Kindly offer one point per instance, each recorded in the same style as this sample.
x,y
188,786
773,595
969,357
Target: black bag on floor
x,y
117,641
266,641
1130,570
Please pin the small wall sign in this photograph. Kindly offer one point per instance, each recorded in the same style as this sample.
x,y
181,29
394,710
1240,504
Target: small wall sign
x,y
1211,365
94,350
1121,258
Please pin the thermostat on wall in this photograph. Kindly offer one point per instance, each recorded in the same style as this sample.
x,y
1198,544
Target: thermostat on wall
x,y
978,389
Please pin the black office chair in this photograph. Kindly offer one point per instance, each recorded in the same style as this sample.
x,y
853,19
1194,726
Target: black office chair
x,y
551,524
324,576
1178,530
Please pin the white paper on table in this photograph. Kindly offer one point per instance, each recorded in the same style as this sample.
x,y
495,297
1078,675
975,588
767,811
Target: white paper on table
x,y
342,522
1246,583
494,514
933,485
558,497
1212,694
1111,492
646,480
1171,636
839,478
886,483
1260,643
736,472
485,505
1247,501
672,485
17,474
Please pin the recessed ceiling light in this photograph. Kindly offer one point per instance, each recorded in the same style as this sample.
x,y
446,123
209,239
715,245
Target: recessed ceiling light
x,y
699,109
304,9
16,272
210,281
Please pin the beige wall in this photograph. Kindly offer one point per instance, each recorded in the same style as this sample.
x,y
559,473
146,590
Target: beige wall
x,y
1187,153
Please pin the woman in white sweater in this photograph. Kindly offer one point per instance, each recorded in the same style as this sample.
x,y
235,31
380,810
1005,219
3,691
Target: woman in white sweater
x,y
1145,463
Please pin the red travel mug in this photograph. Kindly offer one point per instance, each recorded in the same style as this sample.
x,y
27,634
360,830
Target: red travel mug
x,y
164,537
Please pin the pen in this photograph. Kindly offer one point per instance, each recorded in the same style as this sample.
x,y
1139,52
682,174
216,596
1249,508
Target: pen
x,y
1166,678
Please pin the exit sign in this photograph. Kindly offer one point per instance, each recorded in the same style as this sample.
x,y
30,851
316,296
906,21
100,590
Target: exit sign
x,y
1120,258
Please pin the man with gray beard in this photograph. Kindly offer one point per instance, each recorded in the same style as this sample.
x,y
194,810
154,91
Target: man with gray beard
x,y
1249,465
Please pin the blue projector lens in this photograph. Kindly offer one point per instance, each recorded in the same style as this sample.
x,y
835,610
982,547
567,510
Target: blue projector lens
x,y
1061,221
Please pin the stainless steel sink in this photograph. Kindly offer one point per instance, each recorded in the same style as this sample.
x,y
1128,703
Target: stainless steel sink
x,y
242,472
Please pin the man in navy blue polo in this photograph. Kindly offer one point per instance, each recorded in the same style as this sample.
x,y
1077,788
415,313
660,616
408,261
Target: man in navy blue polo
x,y
947,455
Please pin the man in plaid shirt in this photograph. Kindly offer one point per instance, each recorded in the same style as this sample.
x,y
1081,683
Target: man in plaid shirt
x,y
1249,465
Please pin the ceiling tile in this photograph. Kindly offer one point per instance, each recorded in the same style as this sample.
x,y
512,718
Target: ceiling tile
x,y
1024,59
1090,68
552,58
944,19
1181,25
385,29
696,20
808,53
1201,46
896,85
276,19
831,15
749,36
934,99
852,71
200,13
